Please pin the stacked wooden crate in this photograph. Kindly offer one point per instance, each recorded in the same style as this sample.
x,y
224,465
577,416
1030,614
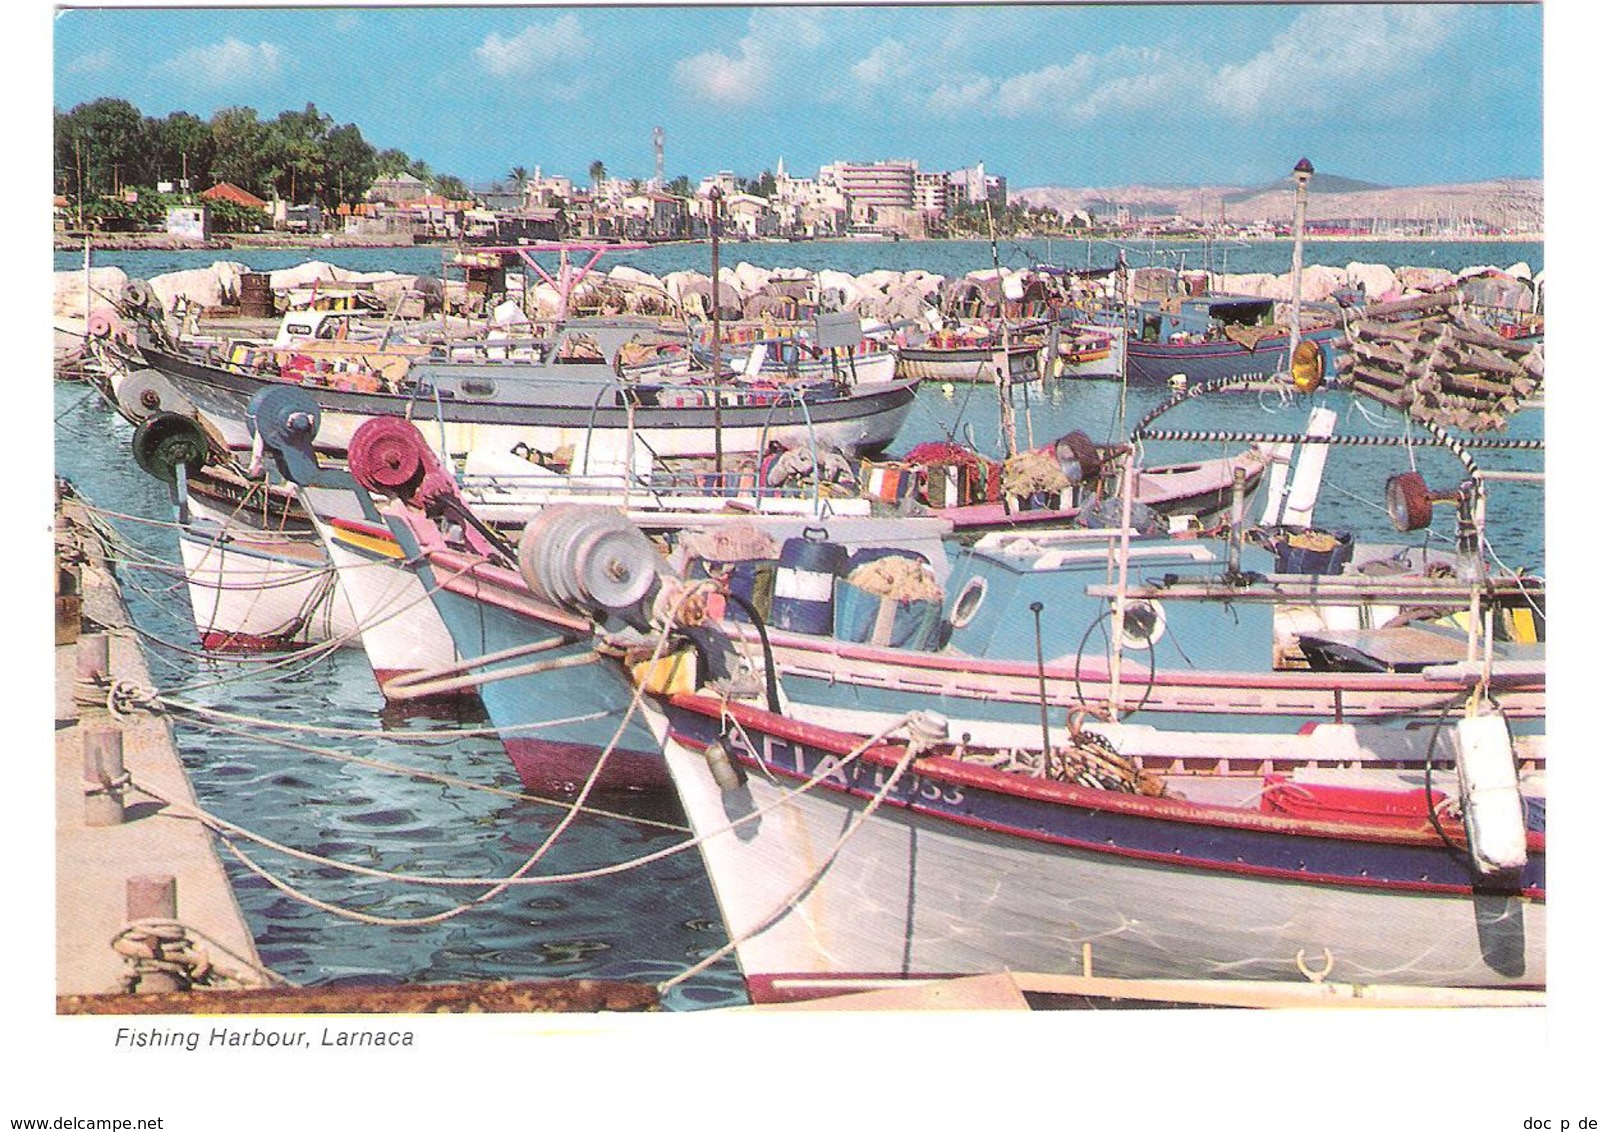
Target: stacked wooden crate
x,y
1432,358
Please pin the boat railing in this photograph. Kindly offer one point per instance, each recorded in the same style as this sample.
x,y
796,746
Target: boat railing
x,y
1472,581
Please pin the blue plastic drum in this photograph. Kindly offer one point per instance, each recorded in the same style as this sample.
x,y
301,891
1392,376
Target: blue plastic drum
x,y
805,574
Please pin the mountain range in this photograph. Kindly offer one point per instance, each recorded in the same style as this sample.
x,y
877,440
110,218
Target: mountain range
x,y
1514,204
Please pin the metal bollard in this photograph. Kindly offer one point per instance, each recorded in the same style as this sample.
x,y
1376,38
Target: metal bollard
x,y
105,779
154,897
94,669
69,600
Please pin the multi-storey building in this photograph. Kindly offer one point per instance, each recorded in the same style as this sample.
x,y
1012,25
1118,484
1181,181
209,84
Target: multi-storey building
x,y
878,192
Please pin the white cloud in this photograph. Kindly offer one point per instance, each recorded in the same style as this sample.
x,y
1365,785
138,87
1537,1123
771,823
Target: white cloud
x,y
1329,53
889,63
536,48
779,40
220,64
94,63
730,80
965,95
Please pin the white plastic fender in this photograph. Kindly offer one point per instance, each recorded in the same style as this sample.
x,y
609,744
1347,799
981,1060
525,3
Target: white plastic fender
x,y
1291,497
1493,812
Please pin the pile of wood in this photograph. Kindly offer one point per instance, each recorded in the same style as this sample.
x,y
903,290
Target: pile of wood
x,y
1435,360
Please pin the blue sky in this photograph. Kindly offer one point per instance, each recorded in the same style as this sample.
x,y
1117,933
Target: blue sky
x,y
1400,94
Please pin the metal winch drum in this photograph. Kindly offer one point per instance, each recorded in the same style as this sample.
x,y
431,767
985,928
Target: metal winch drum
x,y
285,419
589,559
146,392
387,455
164,442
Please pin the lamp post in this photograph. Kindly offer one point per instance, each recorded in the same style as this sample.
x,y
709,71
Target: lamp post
x,y
1303,174
715,196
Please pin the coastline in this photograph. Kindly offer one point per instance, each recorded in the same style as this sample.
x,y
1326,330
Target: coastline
x,y
289,241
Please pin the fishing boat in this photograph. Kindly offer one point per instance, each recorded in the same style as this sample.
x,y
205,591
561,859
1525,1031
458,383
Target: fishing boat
x,y
844,861
791,353
1088,351
253,586
1071,481
1202,338
928,846
970,353
576,399
1267,627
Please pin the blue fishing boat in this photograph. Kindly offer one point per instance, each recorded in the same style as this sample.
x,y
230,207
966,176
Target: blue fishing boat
x,y
1211,337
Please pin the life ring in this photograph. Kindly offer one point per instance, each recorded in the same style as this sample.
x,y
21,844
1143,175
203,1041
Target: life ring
x,y
1143,624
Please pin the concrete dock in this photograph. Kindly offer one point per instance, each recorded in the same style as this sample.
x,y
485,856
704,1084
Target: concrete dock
x,y
96,864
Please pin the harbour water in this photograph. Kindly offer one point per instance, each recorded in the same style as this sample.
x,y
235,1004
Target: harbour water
x,y
300,786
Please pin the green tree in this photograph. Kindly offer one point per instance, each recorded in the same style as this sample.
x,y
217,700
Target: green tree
x,y
182,146
351,166
597,172
242,149
104,145
390,162
680,186
450,187
296,142
519,175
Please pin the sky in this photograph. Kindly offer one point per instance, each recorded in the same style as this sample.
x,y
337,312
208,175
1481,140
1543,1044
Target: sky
x,y
1043,94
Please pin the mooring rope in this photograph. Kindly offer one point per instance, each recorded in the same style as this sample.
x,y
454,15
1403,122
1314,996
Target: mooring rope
x,y
912,750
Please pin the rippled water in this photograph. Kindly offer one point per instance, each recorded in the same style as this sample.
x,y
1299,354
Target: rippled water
x,y
651,922
645,925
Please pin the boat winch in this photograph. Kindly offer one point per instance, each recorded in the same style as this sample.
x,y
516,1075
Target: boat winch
x,y
146,391
384,456
590,560
1409,501
283,420
170,447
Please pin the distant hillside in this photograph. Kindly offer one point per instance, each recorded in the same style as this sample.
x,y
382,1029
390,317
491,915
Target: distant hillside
x,y
1320,183
1515,204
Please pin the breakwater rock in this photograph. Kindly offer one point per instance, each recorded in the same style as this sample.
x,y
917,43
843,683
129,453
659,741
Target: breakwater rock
x,y
745,290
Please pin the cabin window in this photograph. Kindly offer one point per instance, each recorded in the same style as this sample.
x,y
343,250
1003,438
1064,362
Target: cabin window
x,y
968,602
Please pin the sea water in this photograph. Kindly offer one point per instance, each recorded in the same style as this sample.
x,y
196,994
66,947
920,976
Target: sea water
x,y
650,922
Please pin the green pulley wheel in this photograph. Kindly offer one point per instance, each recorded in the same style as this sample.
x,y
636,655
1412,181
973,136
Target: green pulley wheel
x,y
164,441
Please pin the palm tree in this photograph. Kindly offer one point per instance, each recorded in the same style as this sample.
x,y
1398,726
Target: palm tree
x,y
598,173
519,175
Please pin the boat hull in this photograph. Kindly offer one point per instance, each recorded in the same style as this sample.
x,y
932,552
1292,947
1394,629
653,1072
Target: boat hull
x,y
954,875
961,365
262,595
400,630
1157,363
559,722
585,418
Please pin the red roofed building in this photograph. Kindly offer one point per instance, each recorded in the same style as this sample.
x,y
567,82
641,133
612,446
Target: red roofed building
x,y
234,194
